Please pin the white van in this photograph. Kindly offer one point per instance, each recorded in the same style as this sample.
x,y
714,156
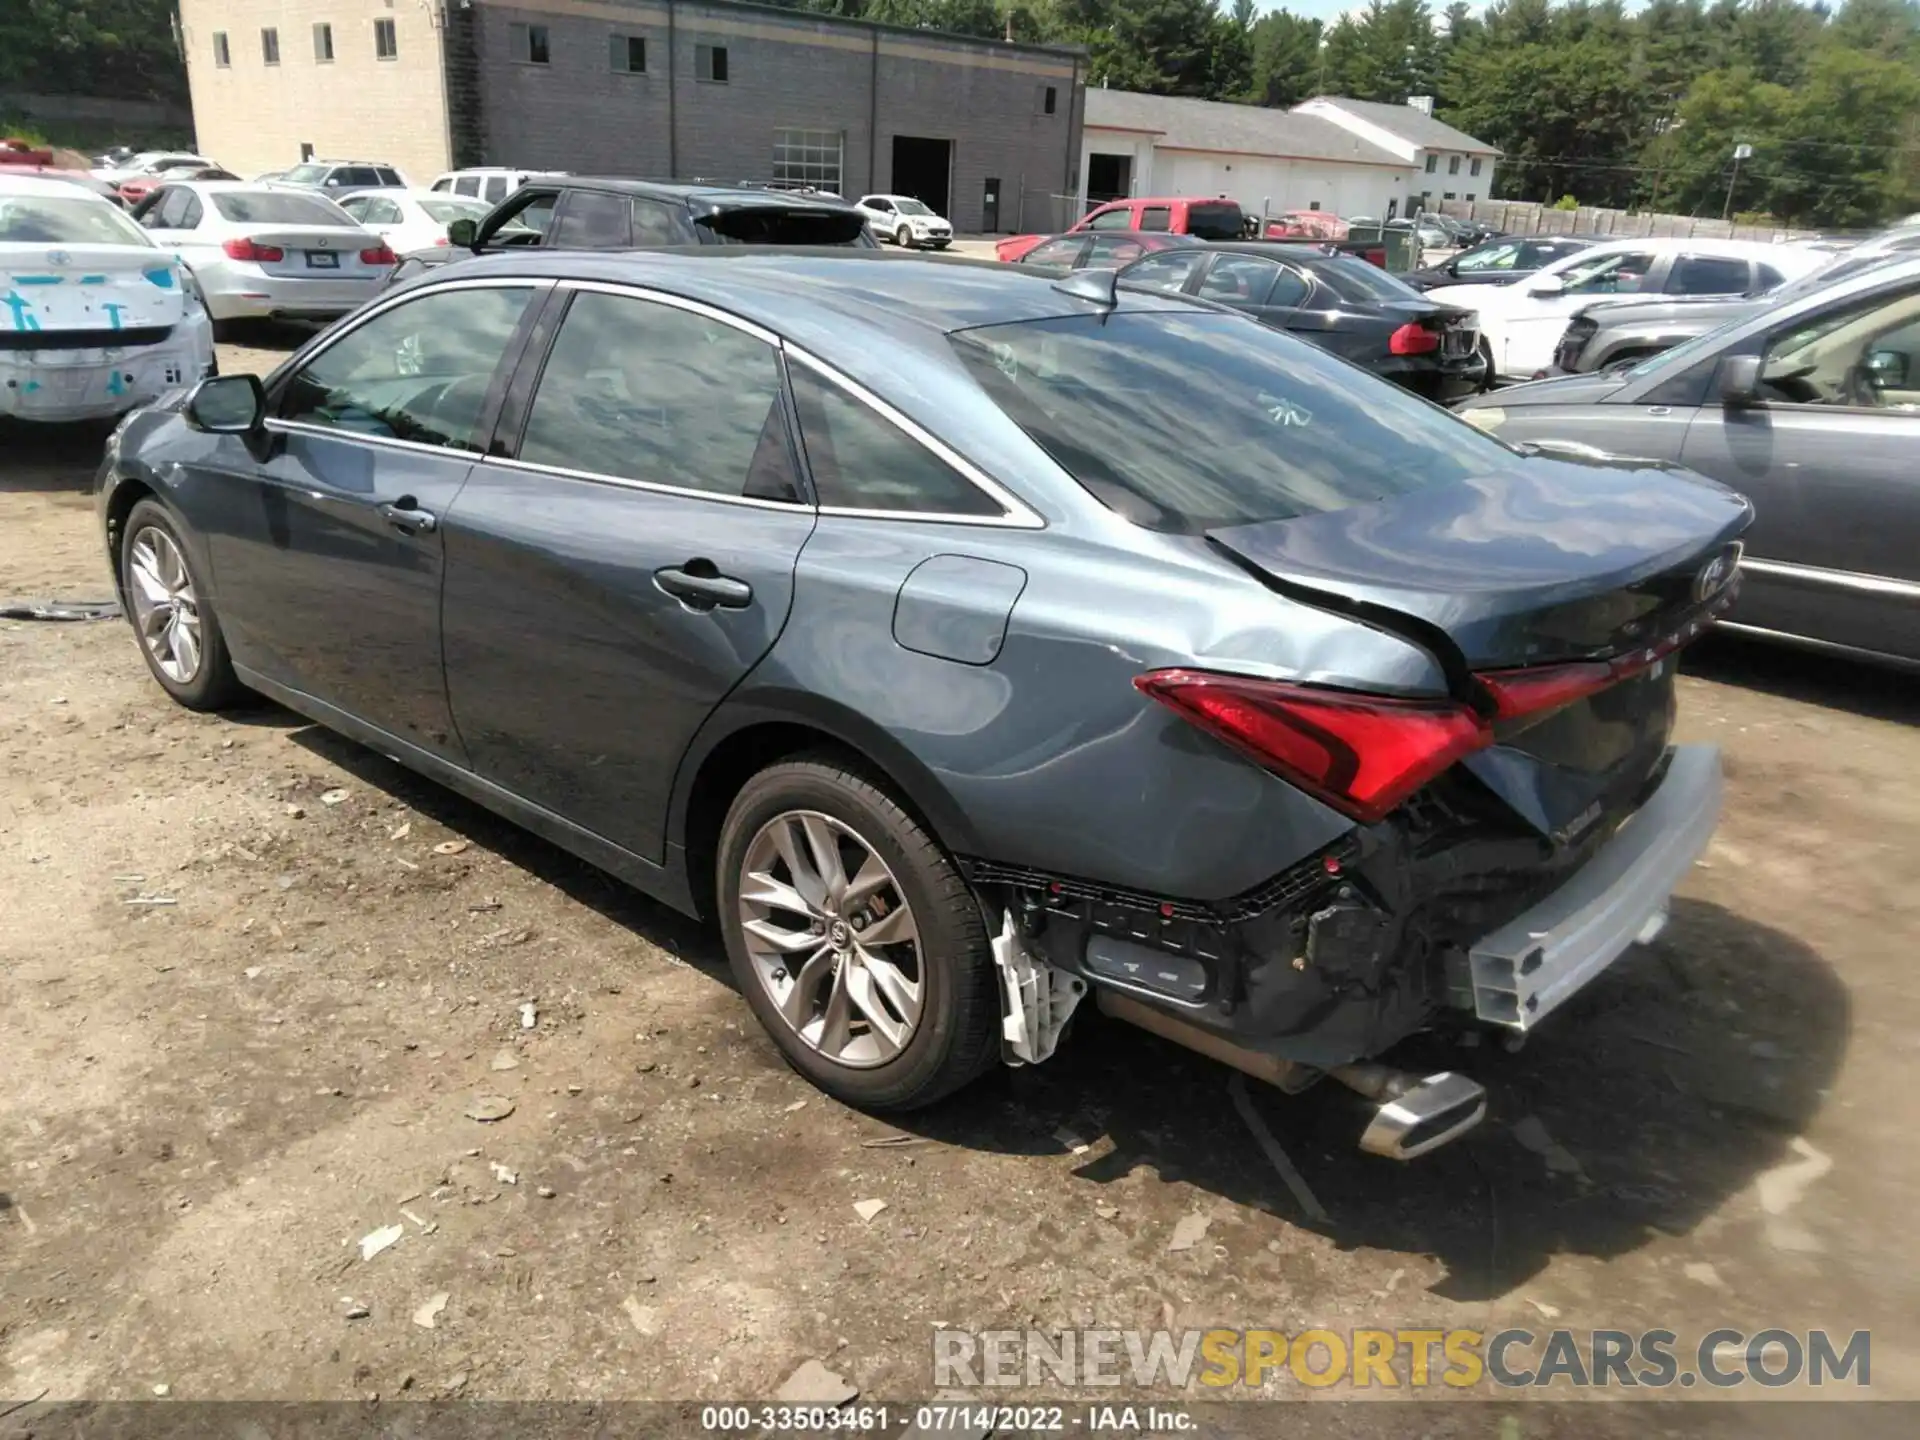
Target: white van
x,y
491,183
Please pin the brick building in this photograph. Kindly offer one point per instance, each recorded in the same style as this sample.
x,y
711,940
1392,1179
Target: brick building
x,y
988,133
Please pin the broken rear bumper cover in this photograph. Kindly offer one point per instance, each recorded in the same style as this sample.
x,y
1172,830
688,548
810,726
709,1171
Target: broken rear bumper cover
x,y
1381,936
1540,959
55,384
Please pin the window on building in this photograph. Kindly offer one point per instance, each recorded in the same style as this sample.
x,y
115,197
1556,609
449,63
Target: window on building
x,y
222,57
1474,169
1447,196
1453,165
270,46
386,44
808,157
1315,205
1432,161
710,63
1049,100
530,45
628,54
323,44
1471,197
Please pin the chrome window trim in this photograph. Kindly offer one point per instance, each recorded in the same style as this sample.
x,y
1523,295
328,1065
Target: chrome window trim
x,y
1017,515
652,487
1834,579
637,291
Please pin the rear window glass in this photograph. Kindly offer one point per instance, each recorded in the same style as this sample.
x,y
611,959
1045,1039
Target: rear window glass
x,y
269,208
1356,279
1187,422
1215,222
82,220
773,225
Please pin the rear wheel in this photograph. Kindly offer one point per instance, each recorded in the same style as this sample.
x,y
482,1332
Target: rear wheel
x,y
853,937
1486,354
172,614
903,237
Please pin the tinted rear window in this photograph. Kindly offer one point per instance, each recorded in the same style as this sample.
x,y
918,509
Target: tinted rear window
x,y
1215,222
773,225
1356,279
1185,422
269,208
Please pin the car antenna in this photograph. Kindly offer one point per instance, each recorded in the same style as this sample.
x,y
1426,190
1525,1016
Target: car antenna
x,y
1100,286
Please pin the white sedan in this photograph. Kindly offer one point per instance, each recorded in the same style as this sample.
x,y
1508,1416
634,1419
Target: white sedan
x,y
94,318
412,219
267,254
1520,324
905,221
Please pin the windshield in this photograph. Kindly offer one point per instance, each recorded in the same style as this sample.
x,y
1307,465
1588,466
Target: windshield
x,y
445,212
305,174
81,220
907,205
1184,422
267,207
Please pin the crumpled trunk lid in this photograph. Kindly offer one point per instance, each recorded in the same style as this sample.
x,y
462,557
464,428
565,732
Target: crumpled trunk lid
x,y
1555,559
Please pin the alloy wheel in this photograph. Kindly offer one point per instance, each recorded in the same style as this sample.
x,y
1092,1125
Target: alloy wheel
x,y
166,611
832,938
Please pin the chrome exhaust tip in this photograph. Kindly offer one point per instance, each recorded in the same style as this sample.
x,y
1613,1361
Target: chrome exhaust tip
x,y
1416,1115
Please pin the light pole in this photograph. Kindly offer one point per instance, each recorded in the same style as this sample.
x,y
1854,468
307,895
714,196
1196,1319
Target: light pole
x,y
1740,152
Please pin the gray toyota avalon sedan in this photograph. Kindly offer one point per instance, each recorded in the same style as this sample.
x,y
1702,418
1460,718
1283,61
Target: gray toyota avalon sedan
x,y
968,644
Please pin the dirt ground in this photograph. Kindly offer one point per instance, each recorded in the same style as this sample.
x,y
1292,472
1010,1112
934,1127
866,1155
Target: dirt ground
x,y
249,998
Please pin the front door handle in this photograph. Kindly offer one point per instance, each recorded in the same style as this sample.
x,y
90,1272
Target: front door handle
x,y
406,516
699,585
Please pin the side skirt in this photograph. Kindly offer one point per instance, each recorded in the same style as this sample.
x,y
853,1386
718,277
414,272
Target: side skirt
x,y
665,883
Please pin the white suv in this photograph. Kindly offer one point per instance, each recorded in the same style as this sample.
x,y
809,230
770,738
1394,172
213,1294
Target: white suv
x,y
491,183
905,221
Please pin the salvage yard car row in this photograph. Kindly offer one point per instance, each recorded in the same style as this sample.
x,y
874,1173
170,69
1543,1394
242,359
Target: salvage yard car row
x,y
1007,638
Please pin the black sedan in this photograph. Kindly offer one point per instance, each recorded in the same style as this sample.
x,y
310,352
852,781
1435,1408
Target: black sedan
x,y
1499,261
1339,302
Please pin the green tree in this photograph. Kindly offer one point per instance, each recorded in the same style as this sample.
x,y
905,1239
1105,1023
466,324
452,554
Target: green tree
x,y
1286,59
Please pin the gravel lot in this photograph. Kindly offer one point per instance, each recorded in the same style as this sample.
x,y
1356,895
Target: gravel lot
x,y
206,1103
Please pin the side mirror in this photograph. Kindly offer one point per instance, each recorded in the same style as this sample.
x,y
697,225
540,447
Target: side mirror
x,y
1546,286
1888,369
462,232
1740,381
227,405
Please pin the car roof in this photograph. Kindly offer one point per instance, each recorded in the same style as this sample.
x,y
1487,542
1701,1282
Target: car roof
x,y
15,184
417,192
711,191
1169,200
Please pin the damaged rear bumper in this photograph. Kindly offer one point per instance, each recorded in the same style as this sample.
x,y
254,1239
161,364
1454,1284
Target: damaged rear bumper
x,y
60,385
1529,967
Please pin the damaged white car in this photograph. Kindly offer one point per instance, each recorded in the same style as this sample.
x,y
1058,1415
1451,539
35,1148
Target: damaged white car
x,y
95,319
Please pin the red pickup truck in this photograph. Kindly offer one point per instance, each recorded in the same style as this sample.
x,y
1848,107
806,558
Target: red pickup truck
x,y
1206,217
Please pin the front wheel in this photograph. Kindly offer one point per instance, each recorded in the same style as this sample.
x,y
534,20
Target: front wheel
x,y
903,237
172,614
853,937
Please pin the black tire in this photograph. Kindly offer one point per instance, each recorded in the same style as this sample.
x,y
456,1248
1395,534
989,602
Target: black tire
x,y
903,237
958,1034
1490,379
212,685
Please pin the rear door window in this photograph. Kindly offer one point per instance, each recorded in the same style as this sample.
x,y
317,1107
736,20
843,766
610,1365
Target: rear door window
x,y
384,176
1169,270
637,390
653,224
860,460
1709,275
1186,421
1290,288
497,187
1240,280
592,221
1156,217
467,185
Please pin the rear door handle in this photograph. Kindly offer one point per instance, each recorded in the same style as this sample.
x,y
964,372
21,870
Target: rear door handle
x,y
406,516
699,585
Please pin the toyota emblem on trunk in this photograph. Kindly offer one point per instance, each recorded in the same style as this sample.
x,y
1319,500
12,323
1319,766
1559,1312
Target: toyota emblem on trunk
x,y
1715,574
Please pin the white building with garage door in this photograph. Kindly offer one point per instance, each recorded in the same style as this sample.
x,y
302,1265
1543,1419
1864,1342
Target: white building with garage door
x,y
1448,164
1267,160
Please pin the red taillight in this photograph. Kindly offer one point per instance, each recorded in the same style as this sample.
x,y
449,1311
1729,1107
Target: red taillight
x,y
443,240
1361,754
245,249
1413,339
377,255
1545,687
